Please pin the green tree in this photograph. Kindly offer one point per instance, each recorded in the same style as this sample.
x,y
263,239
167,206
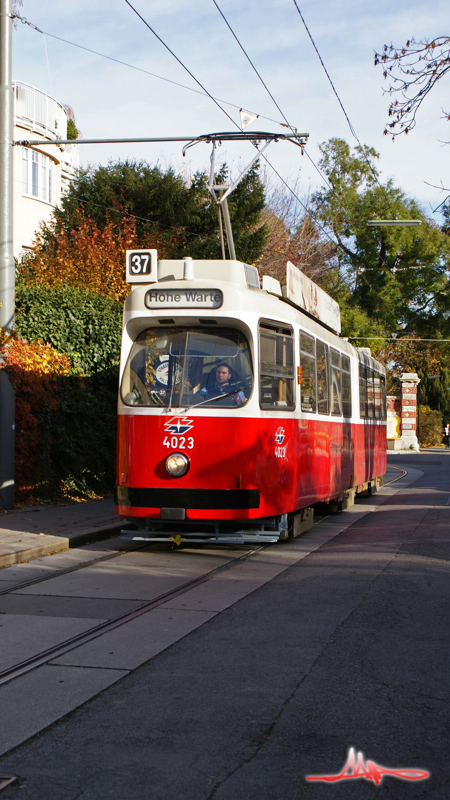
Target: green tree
x,y
72,130
430,427
162,204
398,276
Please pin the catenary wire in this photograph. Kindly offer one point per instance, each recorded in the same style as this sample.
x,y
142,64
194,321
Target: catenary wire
x,y
252,65
226,113
324,178
138,69
180,62
362,147
204,92
288,124
294,131
352,130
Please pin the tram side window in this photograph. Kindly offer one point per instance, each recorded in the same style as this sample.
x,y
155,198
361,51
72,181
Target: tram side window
x,y
308,365
370,395
276,369
362,391
346,387
377,395
383,397
336,383
323,404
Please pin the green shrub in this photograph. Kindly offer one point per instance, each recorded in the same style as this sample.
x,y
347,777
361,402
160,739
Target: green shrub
x,y
82,325
430,427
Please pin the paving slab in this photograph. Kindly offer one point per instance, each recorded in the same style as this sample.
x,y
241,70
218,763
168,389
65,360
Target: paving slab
x,y
26,709
35,636
36,531
131,645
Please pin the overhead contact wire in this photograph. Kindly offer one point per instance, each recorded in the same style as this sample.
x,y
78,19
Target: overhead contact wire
x,y
294,130
352,130
133,66
180,62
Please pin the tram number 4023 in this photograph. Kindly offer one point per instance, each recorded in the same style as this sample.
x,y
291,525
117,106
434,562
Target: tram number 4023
x,y
179,442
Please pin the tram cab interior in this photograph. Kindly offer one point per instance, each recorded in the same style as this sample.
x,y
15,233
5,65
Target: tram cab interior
x,y
177,368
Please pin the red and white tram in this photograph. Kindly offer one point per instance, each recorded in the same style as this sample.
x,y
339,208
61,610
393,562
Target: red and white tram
x,y
238,408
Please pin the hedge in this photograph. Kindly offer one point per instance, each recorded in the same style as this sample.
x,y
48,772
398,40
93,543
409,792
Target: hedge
x,y
80,324
63,363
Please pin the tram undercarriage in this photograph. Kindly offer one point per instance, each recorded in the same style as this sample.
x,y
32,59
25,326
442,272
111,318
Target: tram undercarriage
x,y
266,530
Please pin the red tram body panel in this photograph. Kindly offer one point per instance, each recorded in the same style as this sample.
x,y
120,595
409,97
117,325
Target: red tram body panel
x,y
238,409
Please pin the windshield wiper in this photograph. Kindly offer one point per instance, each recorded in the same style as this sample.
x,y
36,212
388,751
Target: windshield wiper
x,y
218,397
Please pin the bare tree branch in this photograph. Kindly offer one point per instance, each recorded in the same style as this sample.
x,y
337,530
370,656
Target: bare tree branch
x,y
413,71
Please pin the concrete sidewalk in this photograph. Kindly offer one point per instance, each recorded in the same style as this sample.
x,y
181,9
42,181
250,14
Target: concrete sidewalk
x,y
36,531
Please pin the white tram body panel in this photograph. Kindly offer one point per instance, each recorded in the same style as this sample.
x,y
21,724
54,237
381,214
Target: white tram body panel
x,y
237,410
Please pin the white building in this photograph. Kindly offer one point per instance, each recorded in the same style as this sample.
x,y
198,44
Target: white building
x,y
41,174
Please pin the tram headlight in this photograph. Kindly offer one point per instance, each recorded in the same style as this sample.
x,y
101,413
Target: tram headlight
x,y
177,464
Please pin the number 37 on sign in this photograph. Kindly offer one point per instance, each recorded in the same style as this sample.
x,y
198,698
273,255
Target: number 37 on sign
x,y
142,266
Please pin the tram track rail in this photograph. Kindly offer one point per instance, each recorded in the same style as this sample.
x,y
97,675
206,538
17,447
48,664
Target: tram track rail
x,y
27,665
400,469
60,649
68,570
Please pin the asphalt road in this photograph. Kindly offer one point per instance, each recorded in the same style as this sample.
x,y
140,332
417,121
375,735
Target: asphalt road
x,y
347,648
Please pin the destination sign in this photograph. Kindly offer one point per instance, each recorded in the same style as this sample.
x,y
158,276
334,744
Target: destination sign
x,y
183,298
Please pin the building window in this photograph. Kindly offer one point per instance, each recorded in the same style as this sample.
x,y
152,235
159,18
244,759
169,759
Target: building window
x,y
38,175
24,170
34,173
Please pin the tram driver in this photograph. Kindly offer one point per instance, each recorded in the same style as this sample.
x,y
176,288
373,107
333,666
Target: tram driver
x,y
223,384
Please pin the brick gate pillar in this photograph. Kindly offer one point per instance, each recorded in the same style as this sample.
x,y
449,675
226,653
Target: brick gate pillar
x,y
409,382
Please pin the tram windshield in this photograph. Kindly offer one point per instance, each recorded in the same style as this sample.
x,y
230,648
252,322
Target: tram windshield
x,y
186,367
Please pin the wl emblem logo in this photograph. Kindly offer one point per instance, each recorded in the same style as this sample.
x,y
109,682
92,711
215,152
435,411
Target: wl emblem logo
x,y
280,452
178,427
279,436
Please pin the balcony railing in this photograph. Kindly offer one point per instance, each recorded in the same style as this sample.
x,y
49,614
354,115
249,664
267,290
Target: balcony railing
x,y
39,112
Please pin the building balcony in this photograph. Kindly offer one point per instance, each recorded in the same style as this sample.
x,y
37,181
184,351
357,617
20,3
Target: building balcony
x,y
38,112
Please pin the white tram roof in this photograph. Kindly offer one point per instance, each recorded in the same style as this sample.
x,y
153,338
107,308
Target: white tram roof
x,y
197,277
299,291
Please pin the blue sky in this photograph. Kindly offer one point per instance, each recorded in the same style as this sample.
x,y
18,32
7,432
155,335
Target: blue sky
x,y
112,101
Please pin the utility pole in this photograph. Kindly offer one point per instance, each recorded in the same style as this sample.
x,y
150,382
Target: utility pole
x,y
7,268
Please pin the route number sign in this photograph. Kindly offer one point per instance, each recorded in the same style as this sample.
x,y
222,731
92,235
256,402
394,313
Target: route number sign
x,y
142,266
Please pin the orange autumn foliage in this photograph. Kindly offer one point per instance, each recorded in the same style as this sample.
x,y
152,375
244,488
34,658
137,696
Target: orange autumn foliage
x,y
33,370
89,257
